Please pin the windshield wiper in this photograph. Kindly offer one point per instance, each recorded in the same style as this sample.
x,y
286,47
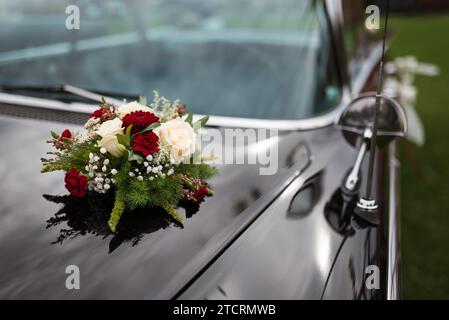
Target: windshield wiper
x,y
61,92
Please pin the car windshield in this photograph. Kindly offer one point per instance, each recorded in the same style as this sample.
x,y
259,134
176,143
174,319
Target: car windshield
x,y
264,59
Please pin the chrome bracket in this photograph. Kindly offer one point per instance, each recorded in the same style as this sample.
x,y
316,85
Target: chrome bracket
x,y
353,177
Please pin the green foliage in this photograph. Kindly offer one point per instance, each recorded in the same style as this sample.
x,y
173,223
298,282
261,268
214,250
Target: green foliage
x,y
202,171
201,123
137,195
189,118
150,127
173,212
143,100
122,139
79,154
132,156
76,157
116,214
122,177
125,139
424,180
153,193
164,190
55,166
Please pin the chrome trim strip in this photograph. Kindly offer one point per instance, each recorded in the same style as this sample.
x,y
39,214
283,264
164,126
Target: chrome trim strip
x,y
19,100
90,95
219,121
394,253
301,124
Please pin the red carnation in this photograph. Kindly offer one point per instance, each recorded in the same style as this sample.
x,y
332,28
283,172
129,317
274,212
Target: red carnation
x,y
200,193
99,113
146,143
181,109
139,119
75,183
65,134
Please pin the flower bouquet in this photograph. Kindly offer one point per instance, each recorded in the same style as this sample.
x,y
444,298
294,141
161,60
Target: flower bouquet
x,y
144,154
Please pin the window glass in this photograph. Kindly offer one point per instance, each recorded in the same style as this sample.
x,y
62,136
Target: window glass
x,y
264,59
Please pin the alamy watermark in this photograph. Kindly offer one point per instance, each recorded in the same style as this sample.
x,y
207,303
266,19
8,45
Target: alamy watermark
x,y
372,22
72,22
372,280
72,282
240,146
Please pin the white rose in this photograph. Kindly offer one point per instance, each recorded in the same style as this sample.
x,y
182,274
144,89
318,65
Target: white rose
x,y
179,135
110,143
110,127
124,109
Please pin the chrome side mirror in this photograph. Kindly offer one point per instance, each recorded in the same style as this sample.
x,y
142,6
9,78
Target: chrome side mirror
x,y
356,124
359,114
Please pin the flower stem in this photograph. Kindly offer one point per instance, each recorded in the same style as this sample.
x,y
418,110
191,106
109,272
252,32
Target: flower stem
x,y
116,214
173,212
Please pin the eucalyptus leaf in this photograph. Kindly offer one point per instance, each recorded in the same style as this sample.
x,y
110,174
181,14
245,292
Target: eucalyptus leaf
x,y
150,127
134,157
122,139
128,130
54,134
189,118
201,123
123,149
143,100
130,155
204,120
138,158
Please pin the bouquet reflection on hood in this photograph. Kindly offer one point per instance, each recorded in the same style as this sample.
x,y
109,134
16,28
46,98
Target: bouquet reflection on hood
x,y
90,215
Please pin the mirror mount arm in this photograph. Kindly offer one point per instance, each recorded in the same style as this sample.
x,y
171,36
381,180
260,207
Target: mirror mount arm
x,y
354,176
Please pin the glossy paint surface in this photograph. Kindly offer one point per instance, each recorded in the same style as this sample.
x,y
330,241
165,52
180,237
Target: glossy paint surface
x,y
293,251
162,261
258,237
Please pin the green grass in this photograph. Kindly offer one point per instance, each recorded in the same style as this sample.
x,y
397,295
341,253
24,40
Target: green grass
x,y
425,200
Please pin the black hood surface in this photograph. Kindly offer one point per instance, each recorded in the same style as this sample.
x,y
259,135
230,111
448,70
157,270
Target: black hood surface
x,y
154,262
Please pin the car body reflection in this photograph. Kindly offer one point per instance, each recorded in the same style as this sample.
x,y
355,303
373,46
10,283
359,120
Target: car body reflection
x,y
90,215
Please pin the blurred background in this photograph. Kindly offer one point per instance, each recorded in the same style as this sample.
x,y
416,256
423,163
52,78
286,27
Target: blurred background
x,y
419,38
421,29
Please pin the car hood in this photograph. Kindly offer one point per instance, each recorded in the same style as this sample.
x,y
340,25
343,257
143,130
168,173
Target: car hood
x,y
153,260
